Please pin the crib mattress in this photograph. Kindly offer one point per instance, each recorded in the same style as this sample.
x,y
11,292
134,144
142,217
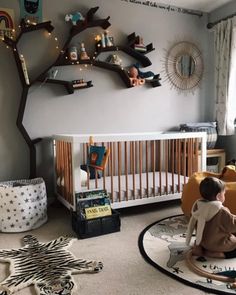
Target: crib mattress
x,y
123,188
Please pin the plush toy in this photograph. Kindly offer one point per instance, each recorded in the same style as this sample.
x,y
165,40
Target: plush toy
x,y
149,75
74,18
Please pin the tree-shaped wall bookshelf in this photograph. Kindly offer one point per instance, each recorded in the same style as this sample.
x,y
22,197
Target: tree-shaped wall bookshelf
x,y
62,60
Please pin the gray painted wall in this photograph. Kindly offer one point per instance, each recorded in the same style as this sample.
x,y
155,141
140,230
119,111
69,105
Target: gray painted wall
x,y
108,106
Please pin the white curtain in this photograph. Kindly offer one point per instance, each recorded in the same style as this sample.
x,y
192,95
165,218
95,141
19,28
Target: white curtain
x,y
225,75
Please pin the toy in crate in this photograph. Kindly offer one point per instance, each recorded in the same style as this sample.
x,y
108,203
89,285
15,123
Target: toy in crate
x,y
97,156
94,216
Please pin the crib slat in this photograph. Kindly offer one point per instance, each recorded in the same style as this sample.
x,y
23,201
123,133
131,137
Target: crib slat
x,y
111,170
119,169
140,168
172,165
114,159
88,172
133,166
136,156
184,161
70,190
58,166
160,165
189,157
66,178
166,163
178,161
104,172
64,170
147,180
84,159
126,172
153,161
67,171
196,154
61,165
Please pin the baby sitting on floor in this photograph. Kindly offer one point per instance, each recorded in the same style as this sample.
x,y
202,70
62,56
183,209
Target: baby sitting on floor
x,y
215,225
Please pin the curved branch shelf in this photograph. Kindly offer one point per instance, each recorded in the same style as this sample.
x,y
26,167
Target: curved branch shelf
x,y
62,61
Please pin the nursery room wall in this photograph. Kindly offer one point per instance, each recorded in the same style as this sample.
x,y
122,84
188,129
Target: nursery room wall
x,y
108,107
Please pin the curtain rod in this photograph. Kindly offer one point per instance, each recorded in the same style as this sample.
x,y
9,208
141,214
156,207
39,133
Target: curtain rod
x,y
211,25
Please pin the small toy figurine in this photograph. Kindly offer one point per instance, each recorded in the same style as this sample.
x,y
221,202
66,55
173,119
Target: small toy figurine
x,y
83,54
115,59
74,18
108,42
133,76
103,40
73,55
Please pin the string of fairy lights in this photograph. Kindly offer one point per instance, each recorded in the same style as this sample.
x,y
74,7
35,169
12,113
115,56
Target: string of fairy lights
x,y
12,34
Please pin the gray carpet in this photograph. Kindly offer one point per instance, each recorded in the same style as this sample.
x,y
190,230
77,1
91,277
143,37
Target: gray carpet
x,y
125,271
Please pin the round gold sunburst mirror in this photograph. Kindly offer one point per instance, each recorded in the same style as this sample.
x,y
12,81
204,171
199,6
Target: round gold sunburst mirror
x,y
184,66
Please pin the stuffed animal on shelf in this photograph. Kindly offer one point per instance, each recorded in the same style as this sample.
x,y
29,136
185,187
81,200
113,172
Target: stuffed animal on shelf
x,y
149,75
134,78
74,18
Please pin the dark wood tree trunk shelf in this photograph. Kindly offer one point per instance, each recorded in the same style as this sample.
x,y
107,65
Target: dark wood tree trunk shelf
x,y
61,60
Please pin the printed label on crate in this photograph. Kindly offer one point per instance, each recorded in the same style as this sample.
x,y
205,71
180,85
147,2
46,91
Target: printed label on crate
x,y
99,211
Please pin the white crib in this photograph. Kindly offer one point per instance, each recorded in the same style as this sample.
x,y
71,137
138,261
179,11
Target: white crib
x,y
142,167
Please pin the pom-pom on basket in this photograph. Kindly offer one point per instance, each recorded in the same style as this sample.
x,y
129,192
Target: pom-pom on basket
x,y
23,205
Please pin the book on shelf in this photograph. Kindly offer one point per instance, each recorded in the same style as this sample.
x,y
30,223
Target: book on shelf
x,y
24,69
141,48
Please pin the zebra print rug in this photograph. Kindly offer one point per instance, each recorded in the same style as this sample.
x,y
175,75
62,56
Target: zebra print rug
x,y
162,244
47,266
